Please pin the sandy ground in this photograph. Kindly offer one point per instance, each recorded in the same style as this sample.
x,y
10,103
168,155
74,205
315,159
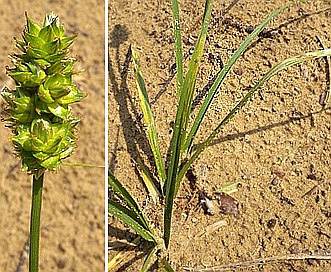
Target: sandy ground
x,y
278,148
72,227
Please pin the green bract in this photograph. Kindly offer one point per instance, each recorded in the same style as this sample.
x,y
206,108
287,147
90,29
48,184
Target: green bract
x,y
39,107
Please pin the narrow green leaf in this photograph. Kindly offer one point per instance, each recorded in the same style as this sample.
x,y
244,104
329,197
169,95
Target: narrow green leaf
x,y
149,120
148,259
182,116
227,67
273,71
87,165
178,45
124,215
121,192
129,212
193,69
149,183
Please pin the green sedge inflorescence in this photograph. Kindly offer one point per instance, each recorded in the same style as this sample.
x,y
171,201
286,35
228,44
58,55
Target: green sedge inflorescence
x,y
39,107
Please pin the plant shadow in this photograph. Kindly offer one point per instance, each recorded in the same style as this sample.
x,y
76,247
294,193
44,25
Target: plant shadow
x,y
269,33
133,130
231,137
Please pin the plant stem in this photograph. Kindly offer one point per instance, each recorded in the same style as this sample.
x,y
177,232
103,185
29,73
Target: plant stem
x,y
37,188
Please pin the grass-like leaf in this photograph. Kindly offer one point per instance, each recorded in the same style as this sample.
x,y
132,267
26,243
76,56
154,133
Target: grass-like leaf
x,y
182,116
121,256
149,120
178,44
148,259
125,215
227,67
193,69
273,71
122,193
150,185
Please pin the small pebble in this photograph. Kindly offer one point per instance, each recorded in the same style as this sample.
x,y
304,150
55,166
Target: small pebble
x,y
311,176
184,215
271,223
294,249
278,173
274,182
249,29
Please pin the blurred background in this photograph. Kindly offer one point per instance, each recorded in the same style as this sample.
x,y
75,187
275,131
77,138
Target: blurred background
x,y
72,218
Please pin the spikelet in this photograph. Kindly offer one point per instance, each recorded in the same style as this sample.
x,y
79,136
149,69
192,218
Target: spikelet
x,y
39,107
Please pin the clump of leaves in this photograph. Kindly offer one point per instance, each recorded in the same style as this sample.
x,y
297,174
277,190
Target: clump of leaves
x,y
182,156
39,112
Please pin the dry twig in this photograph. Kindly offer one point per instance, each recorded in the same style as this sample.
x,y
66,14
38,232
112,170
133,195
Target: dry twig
x,y
212,228
291,257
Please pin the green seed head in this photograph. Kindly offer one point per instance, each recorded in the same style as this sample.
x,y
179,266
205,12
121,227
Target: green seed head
x,y
39,108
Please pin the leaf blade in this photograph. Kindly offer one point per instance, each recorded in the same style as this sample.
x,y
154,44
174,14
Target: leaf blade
x,y
121,192
178,44
227,67
273,71
124,215
182,117
148,259
193,69
122,255
149,183
149,120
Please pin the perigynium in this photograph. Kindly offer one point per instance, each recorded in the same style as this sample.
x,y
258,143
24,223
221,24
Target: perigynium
x,y
38,109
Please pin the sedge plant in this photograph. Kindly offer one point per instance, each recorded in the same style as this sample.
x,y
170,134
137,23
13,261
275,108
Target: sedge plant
x,y
39,111
181,153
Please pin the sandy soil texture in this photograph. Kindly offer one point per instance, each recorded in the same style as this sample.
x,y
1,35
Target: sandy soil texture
x,y
278,147
72,227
